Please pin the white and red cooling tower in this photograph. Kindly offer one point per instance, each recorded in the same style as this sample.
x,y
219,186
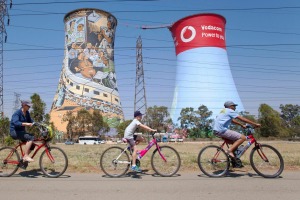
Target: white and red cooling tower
x,y
203,75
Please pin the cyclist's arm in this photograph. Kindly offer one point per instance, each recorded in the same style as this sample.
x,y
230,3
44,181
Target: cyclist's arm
x,y
248,121
147,128
237,122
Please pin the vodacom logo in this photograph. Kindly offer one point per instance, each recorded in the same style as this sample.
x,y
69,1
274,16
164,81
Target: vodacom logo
x,y
190,28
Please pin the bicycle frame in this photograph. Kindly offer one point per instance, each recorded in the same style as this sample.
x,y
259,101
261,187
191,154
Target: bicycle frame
x,y
251,140
20,146
142,153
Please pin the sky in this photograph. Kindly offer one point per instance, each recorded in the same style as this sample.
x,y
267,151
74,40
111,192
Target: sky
x,y
262,38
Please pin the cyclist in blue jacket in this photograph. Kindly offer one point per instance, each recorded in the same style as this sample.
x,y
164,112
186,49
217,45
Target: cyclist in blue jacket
x,y
19,120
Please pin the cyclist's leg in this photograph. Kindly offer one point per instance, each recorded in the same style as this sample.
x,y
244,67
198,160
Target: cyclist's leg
x,y
132,144
138,139
233,136
23,136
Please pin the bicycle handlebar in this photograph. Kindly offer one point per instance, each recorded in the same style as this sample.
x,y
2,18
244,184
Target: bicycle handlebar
x,y
249,129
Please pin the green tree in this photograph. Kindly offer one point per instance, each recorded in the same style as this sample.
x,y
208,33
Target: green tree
x,y
187,118
198,122
83,122
4,127
70,119
291,115
97,123
37,113
157,117
121,128
271,123
203,121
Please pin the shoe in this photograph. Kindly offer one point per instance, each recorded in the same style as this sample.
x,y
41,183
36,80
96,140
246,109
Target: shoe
x,y
230,154
136,169
28,159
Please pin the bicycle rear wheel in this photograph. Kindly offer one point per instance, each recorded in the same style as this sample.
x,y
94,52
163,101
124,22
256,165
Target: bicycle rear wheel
x,y
114,162
213,161
9,160
266,161
166,162
53,162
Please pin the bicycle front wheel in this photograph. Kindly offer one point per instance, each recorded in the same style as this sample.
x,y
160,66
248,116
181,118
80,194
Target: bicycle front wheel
x,y
53,162
213,161
266,161
114,162
9,160
166,161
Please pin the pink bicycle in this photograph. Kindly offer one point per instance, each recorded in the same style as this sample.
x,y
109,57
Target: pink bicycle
x,y
165,160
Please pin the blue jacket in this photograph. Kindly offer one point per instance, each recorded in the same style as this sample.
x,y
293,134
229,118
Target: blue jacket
x,y
17,119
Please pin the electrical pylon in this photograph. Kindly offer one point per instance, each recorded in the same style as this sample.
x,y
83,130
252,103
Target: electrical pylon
x,y
140,102
3,34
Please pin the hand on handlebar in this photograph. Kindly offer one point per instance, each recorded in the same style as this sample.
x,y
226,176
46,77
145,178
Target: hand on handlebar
x,y
257,125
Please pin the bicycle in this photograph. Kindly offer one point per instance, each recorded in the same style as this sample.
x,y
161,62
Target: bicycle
x,y
165,160
53,161
265,160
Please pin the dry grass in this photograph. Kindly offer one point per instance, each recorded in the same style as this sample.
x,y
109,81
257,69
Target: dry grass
x,y
86,158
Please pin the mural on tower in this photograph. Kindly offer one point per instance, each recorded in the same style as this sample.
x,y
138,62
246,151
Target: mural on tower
x,y
203,75
88,79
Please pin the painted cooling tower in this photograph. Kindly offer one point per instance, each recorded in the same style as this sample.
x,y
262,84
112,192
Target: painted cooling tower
x,y
203,75
88,78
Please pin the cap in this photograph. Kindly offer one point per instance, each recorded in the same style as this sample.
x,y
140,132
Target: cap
x,y
229,103
137,113
26,102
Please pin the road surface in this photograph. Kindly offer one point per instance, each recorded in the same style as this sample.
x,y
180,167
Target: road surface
x,y
31,185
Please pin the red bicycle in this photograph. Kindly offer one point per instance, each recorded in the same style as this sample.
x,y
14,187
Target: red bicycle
x,y
53,161
264,159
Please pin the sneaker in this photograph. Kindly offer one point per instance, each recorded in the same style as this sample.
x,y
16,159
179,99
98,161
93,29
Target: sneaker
x,y
136,169
28,159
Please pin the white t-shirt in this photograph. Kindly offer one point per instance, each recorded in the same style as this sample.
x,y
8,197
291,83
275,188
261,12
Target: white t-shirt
x,y
129,131
223,120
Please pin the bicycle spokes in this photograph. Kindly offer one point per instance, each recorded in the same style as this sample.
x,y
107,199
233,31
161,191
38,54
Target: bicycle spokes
x,y
266,161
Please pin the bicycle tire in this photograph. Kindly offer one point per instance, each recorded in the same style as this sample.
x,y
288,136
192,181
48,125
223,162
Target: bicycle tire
x,y
54,162
114,163
271,168
213,161
170,166
6,168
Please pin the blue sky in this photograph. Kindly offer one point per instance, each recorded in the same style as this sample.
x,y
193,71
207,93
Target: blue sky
x,y
263,47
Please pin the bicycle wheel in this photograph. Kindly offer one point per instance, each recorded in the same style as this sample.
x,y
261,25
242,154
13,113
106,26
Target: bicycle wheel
x,y
9,160
213,161
266,161
114,162
165,162
53,162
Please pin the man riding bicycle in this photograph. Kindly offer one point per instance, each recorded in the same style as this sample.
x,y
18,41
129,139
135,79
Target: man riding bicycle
x,y
222,122
130,137
19,120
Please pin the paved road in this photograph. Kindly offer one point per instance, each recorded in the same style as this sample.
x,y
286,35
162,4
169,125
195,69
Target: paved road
x,y
192,185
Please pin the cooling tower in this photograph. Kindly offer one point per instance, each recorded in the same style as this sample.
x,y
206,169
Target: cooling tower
x,y
88,79
203,75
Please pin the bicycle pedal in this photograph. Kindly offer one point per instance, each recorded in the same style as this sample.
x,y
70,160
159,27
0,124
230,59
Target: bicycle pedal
x,y
23,164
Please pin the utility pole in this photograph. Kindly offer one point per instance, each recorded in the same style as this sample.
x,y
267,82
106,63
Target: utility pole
x,y
140,102
3,34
